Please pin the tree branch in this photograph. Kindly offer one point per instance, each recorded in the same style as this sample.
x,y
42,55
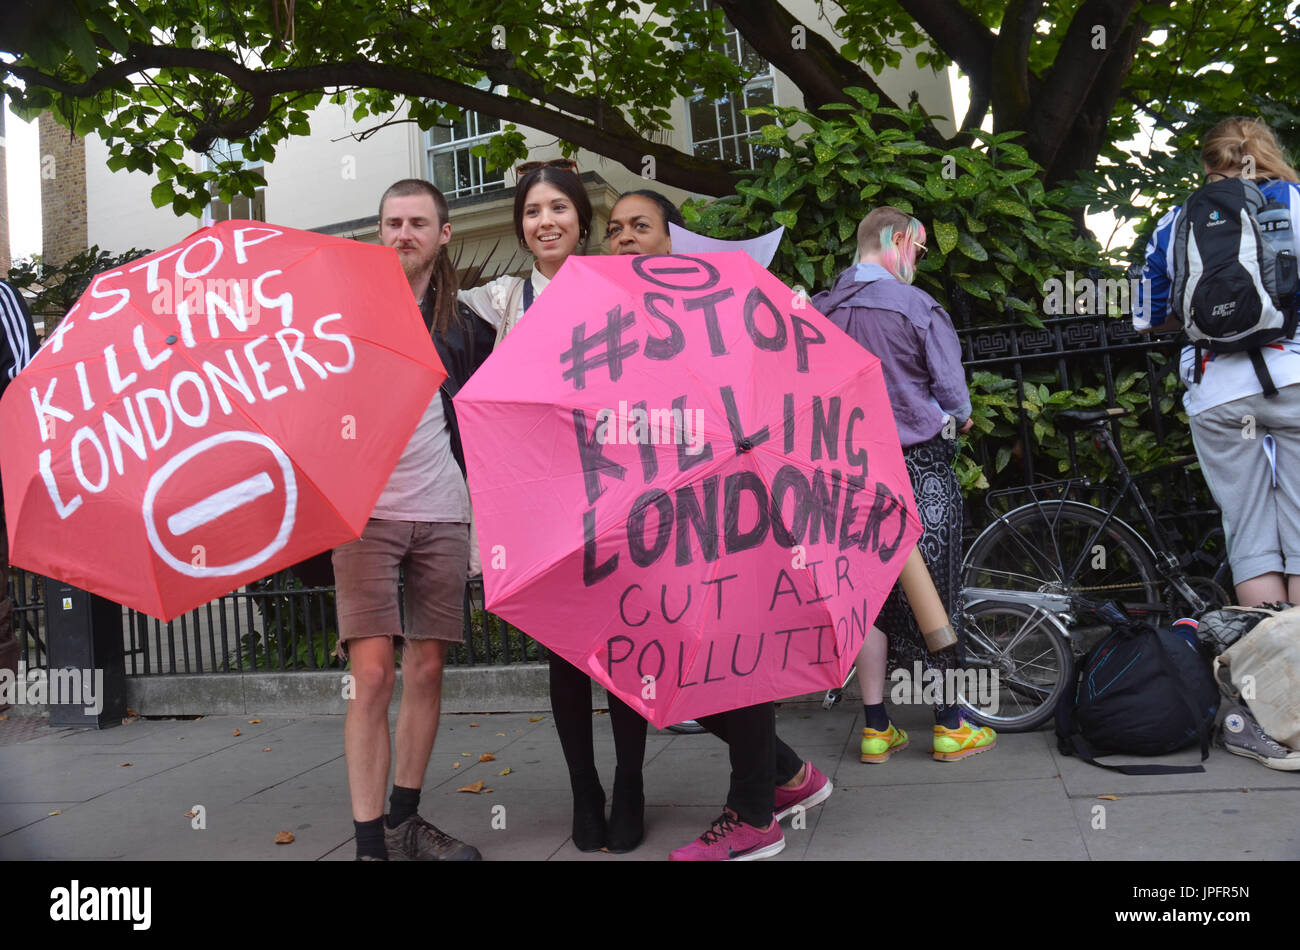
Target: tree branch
x,y
819,71
960,34
605,131
1069,82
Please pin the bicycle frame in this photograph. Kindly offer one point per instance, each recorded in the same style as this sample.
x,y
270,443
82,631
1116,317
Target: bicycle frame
x,y
1165,562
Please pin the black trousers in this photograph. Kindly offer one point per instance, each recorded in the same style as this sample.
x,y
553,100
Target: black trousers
x,y
760,761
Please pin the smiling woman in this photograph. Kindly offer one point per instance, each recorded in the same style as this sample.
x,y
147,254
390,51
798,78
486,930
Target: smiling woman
x,y
553,221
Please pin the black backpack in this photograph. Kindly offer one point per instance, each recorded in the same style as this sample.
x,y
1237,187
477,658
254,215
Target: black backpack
x,y
1141,691
1232,289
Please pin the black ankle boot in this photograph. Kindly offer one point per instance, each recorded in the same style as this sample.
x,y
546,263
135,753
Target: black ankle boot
x,y
627,814
588,815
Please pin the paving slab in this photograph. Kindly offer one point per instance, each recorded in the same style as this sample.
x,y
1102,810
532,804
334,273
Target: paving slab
x,y
1223,772
30,773
1023,820
1209,826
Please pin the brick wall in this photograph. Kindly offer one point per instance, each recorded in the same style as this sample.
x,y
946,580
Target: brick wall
x,y
63,192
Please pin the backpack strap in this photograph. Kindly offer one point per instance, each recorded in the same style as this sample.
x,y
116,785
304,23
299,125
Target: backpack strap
x,y
1261,371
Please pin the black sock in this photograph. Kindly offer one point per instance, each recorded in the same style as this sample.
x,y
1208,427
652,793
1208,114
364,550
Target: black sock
x,y
948,716
370,839
402,804
877,717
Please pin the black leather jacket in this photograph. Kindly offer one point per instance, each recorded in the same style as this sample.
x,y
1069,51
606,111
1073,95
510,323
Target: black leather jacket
x,y
462,349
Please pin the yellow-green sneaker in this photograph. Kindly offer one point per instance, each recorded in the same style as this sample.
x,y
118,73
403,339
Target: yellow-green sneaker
x,y
952,745
878,746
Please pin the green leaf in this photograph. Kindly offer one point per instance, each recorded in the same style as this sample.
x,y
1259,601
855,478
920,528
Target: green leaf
x,y
971,248
787,218
945,233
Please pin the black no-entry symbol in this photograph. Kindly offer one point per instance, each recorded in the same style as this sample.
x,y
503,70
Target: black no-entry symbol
x,y
676,271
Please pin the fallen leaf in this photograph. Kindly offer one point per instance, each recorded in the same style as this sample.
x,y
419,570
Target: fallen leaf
x,y
267,749
488,791
505,771
455,765
501,734
131,712
235,733
284,837
473,725
473,789
487,757
191,814
254,722
124,765
4,717
1109,798
467,754
1245,790
536,718
56,812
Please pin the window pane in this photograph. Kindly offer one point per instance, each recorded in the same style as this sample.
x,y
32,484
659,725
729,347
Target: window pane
x,y
728,120
707,150
704,119
758,95
440,134
444,171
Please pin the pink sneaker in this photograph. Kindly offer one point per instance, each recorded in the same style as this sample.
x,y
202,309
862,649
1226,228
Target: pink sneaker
x,y
816,788
730,839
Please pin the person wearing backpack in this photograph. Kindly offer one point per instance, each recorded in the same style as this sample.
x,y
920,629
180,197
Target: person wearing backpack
x,y
1220,267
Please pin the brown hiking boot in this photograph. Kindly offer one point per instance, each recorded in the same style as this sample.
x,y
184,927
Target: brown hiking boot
x,y
417,840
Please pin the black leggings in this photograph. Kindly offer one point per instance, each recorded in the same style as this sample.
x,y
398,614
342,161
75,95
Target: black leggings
x,y
760,761
571,707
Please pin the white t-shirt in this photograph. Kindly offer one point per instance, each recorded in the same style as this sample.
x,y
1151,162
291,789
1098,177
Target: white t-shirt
x,y
427,484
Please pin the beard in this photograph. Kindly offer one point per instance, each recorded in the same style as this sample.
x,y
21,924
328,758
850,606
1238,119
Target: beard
x,y
417,265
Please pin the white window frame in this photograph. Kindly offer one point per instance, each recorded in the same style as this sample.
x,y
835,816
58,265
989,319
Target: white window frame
x,y
460,148
740,139
218,210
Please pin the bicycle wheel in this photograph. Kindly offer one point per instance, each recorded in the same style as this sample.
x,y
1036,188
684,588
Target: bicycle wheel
x,y
1018,662
1067,547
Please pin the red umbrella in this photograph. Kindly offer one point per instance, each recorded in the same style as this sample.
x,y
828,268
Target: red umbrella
x,y
212,413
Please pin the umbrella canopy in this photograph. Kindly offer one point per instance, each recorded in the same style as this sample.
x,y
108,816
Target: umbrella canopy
x,y
212,413
687,483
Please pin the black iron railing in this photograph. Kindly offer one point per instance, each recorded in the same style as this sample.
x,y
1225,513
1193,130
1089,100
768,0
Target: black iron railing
x,y
279,624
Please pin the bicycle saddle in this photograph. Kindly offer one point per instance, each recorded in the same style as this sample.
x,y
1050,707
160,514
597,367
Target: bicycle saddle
x,y
1074,419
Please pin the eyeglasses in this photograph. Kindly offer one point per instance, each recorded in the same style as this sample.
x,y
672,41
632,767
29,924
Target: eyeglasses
x,y
920,256
567,164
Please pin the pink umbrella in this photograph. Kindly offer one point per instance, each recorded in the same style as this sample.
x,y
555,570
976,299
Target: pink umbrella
x,y
687,483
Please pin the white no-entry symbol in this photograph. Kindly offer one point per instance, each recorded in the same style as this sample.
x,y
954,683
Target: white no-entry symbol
x,y
216,505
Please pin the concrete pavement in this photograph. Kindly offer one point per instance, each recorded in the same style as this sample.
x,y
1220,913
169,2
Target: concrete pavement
x,y
124,793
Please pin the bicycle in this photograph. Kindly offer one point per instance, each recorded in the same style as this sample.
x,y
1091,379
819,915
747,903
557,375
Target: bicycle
x,y
1061,556
1034,577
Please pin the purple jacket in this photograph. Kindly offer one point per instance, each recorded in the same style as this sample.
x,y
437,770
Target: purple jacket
x,y
914,340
